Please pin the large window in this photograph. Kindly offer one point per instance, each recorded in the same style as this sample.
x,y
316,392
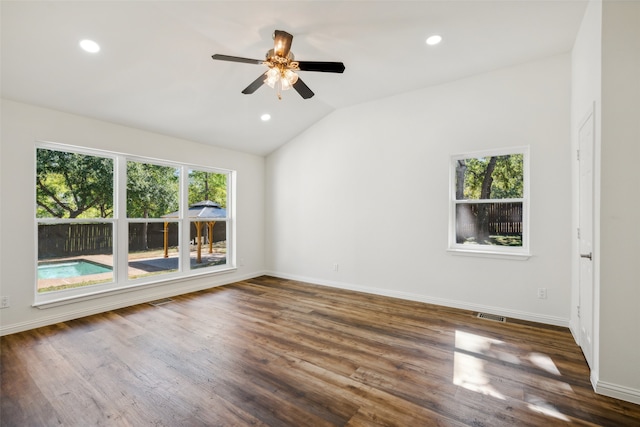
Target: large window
x,y
107,221
489,202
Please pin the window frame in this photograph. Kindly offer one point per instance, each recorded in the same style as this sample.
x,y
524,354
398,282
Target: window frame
x,y
494,251
121,222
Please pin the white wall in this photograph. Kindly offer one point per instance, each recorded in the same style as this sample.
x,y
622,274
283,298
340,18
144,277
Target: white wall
x,y
367,188
619,372
23,125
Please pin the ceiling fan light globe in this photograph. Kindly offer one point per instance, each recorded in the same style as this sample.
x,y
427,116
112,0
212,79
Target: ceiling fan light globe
x,y
291,77
285,84
272,77
271,82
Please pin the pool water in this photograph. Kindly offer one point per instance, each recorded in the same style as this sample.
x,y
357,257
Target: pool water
x,y
62,270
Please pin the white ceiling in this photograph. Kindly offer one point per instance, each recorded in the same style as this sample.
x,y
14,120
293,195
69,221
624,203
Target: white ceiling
x,y
155,71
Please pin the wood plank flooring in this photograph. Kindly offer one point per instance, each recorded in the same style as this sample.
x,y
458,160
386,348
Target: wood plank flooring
x,y
273,352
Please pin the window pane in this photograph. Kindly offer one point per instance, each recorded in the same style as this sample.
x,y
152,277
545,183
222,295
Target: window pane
x,y
207,186
153,248
74,255
497,224
152,190
491,177
72,185
208,244
208,203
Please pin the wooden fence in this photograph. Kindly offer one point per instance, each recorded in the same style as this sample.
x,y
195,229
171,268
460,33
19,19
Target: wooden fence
x,y
62,240
504,219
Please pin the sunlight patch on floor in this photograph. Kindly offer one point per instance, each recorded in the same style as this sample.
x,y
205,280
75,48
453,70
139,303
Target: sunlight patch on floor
x,y
475,343
544,362
541,406
468,372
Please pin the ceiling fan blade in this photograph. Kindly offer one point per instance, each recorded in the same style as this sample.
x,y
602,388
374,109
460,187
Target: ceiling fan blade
x,y
236,59
254,86
282,43
303,89
326,67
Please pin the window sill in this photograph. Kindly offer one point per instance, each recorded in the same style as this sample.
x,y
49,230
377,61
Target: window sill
x,y
490,254
124,289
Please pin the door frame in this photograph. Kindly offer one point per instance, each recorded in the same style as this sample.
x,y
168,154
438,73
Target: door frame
x,y
592,357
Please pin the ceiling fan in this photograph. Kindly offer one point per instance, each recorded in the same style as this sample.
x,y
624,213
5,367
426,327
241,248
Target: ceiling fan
x,y
281,74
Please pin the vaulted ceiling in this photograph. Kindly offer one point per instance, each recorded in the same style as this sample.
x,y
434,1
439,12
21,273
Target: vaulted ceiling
x,y
154,70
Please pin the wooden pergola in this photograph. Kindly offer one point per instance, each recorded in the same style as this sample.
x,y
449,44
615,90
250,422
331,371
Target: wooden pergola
x,y
207,211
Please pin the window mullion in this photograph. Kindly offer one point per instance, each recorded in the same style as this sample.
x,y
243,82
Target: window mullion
x,y
121,224
185,225
231,246
488,201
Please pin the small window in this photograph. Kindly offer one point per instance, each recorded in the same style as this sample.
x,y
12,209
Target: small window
x,y
489,202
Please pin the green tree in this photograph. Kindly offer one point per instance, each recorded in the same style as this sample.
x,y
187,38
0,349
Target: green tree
x,y
72,185
508,177
207,186
152,191
496,177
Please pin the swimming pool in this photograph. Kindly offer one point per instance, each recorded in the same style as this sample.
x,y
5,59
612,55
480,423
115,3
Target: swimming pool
x,y
60,270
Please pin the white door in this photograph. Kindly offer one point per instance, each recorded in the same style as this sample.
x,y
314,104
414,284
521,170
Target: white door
x,y
585,195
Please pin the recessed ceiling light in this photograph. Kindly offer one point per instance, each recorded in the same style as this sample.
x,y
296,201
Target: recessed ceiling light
x,y
90,46
265,117
434,40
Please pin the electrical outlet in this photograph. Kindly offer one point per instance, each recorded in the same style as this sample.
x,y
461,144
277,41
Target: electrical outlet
x,y
4,302
542,293
335,266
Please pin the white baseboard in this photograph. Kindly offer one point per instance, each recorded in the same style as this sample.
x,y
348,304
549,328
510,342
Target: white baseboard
x,y
532,317
574,333
162,292
618,392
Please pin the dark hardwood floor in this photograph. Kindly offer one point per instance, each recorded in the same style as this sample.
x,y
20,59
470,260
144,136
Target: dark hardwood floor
x,y
272,352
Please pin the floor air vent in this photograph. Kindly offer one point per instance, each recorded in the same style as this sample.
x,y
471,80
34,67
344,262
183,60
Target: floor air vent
x,y
161,301
493,317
